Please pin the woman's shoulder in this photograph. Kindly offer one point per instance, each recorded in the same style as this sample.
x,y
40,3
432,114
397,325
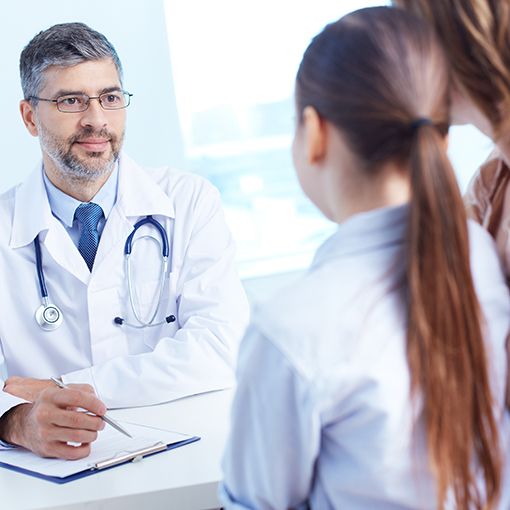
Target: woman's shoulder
x,y
483,187
486,267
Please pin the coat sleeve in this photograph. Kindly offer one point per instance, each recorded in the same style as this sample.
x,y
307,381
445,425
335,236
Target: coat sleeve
x,y
478,195
7,401
213,313
275,434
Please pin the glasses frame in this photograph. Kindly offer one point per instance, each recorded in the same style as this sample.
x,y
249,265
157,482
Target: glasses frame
x,y
87,102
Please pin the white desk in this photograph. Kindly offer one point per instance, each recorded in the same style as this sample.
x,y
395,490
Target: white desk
x,y
181,479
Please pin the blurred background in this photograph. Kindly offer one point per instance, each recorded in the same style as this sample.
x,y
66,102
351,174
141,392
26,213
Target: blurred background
x,y
213,94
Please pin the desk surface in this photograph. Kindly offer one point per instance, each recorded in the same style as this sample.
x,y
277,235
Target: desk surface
x,y
184,478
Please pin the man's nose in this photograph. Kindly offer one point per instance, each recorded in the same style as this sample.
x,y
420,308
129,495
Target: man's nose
x,y
94,116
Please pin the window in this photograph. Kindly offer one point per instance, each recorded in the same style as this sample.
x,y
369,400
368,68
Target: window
x,y
234,65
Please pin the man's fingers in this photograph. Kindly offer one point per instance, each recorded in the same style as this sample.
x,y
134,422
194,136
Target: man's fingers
x,y
11,380
63,434
87,388
65,398
67,452
78,420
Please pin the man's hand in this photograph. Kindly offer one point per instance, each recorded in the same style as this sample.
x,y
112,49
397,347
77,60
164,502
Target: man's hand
x,y
52,420
26,387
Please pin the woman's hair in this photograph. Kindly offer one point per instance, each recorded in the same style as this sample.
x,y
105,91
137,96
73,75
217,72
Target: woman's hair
x,y
381,78
476,36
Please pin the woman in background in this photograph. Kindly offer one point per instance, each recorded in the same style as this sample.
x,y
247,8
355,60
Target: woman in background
x,y
368,383
476,37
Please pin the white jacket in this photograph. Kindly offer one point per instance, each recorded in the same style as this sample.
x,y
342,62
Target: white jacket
x,y
126,366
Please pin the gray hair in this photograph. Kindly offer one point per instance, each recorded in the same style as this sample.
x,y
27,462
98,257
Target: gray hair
x,y
66,44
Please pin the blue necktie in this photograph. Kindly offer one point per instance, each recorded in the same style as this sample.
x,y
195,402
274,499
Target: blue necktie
x,y
88,215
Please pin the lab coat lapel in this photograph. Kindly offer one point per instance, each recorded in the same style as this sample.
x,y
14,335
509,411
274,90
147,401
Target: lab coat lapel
x,y
32,216
138,195
61,247
116,230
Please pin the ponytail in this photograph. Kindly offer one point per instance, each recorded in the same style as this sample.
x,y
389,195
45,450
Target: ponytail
x,y
445,346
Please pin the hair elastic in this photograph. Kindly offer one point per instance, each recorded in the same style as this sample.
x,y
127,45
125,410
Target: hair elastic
x,y
422,121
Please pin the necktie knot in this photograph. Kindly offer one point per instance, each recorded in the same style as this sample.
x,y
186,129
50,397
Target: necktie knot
x,y
88,216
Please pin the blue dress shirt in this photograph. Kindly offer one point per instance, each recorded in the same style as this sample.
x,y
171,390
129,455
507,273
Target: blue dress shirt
x,y
63,206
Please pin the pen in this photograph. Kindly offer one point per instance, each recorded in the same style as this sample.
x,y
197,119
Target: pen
x,y
107,419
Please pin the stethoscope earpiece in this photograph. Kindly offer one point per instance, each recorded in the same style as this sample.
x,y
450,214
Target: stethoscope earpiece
x,y
120,322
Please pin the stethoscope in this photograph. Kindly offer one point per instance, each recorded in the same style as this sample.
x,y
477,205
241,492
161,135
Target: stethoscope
x,y
50,317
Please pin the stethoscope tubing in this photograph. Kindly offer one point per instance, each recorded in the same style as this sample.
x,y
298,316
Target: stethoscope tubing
x,y
40,272
165,250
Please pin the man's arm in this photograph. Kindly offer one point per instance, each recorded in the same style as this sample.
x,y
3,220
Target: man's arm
x,y
212,311
8,400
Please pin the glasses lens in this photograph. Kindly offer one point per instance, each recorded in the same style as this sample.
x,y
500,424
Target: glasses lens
x,y
75,103
114,100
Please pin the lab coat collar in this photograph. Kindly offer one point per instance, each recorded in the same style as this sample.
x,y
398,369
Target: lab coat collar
x,y
364,232
139,194
32,212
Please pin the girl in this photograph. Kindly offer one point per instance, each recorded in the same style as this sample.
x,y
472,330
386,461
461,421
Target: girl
x,y
366,385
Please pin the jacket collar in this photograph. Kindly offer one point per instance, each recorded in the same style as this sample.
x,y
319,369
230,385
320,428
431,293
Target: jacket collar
x,y
364,232
32,212
139,192
138,195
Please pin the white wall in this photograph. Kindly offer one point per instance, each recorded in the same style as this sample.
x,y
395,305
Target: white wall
x,y
138,32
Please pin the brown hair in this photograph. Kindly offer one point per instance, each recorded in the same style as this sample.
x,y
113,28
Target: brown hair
x,y
476,36
373,74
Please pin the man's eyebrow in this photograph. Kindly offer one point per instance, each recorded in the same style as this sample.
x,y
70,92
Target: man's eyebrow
x,y
111,89
67,92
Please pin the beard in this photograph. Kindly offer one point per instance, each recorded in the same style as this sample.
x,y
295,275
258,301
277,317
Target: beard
x,y
88,168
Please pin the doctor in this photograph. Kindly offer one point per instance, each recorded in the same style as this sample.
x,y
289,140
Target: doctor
x,y
162,326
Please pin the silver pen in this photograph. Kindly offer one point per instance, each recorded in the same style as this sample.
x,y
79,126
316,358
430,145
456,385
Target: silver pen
x,y
107,419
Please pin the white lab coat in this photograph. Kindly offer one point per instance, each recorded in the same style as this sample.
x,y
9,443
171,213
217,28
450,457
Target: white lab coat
x,y
126,366
322,413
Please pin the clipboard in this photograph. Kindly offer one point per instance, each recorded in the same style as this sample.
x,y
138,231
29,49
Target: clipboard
x,y
27,463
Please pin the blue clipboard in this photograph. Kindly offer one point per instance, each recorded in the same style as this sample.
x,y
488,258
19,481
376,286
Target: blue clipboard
x,y
95,470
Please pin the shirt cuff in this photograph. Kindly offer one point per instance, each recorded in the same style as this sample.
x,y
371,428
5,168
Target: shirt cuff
x,y
7,402
6,446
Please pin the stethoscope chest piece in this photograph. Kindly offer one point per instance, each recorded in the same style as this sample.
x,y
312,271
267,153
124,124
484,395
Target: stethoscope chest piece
x,y
49,317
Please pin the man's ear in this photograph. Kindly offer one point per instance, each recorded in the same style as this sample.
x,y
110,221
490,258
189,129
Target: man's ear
x,y
314,135
27,114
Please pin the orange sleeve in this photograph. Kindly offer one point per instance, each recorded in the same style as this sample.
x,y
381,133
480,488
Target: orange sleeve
x,y
480,190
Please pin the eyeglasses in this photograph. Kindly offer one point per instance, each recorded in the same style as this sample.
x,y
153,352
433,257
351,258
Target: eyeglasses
x,y
75,103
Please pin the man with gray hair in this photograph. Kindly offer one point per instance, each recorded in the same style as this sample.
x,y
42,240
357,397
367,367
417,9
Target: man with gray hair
x,y
128,291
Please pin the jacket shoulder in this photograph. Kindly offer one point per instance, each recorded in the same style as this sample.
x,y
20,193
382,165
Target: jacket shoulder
x,y
7,200
172,180
482,187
